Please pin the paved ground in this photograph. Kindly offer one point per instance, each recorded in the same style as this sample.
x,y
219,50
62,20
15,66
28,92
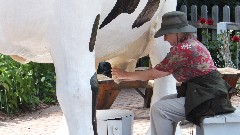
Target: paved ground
x,y
46,121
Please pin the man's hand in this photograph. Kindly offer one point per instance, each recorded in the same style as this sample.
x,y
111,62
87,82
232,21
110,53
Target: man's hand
x,y
119,74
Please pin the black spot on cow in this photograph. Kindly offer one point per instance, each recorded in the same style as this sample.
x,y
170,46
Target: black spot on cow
x,y
105,69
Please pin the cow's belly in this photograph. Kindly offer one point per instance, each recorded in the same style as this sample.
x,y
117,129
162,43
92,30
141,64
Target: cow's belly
x,y
23,29
25,42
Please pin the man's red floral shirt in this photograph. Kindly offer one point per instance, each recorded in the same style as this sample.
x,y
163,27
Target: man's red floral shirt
x,y
188,59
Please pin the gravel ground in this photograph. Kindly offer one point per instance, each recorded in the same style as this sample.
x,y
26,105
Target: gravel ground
x,y
47,121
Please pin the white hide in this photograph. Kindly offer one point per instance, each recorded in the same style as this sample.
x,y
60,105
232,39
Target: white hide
x,y
59,31
166,85
34,29
23,26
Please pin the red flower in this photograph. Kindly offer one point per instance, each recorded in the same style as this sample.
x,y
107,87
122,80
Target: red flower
x,y
235,38
202,20
209,21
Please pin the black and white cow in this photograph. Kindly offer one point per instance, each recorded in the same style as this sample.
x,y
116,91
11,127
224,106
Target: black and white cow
x,y
65,32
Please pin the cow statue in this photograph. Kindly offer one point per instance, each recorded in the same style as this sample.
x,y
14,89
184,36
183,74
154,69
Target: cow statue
x,y
65,32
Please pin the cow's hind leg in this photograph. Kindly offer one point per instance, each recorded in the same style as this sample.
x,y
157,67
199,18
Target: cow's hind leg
x,y
94,87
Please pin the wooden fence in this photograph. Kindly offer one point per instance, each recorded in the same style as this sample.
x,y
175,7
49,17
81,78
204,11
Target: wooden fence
x,y
194,17
215,15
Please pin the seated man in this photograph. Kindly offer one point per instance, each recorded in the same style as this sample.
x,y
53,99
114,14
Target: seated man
x,y
189,61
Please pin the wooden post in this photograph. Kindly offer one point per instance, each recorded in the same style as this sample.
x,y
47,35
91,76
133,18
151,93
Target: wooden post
x,y
204,15
221,27
237,14
183,8
194,14
204,12
215,21
148,97
226,14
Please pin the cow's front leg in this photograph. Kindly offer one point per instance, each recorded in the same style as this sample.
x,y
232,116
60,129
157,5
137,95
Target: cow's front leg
x,y
69,35
75,98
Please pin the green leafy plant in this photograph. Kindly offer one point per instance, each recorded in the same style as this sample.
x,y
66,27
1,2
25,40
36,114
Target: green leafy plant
x,y
214,48
224,51
45,82
24,86
230,48
226,45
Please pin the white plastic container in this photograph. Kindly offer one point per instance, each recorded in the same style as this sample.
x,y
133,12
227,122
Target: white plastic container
x,y
114,122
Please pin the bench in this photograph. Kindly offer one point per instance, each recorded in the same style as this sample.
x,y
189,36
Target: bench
x,y
225,124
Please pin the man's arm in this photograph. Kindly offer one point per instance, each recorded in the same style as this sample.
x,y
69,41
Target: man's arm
x,y
149,74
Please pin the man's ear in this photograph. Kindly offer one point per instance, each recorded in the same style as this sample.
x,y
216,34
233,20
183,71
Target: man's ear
x,y
177,34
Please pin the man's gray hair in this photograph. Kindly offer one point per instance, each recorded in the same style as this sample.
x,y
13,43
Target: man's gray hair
x,y
185,34
193,34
